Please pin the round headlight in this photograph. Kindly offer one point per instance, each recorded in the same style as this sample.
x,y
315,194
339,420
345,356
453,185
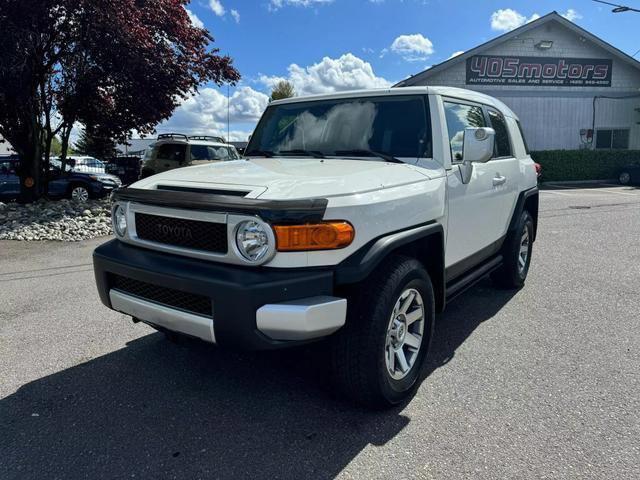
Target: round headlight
x,y
120,221
252,240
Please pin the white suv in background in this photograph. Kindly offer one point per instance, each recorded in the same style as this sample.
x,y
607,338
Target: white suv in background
x,y
174,150
353,219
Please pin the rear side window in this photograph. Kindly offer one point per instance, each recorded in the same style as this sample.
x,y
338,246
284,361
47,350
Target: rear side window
x,y
502,146
171,151
460,116
524,141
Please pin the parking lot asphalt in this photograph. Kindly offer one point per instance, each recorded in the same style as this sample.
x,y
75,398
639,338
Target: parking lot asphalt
x,y
539,383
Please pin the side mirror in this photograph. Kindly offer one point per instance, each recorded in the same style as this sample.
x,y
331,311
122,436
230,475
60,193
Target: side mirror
x,y
477,147
478,144
249,137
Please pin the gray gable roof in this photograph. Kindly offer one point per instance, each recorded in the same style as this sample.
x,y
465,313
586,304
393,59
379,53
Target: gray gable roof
x,y
553,16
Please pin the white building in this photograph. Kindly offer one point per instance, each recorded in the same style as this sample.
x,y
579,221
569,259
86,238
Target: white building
x,y
570,88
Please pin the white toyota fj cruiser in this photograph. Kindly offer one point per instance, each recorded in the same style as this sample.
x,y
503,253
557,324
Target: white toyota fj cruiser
x,y
355,217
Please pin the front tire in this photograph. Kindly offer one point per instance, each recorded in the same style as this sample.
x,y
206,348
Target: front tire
x,y
516,255
378,356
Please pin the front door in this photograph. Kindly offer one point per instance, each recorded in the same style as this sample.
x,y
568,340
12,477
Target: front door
x,y
480,210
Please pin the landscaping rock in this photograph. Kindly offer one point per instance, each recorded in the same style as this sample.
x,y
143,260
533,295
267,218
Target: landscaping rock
x,y
62,220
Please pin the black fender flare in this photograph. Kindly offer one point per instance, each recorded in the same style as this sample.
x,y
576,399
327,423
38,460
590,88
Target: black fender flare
x,y
359,265
530,197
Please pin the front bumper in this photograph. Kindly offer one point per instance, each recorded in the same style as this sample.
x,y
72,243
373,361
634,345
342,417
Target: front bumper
x,y
251,308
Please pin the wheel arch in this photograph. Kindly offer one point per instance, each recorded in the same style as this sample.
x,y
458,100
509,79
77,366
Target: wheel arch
x,y
527,200
78,183
424,243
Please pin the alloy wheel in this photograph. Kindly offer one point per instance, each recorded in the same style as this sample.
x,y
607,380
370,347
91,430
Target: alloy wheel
x,y
404,334
523,254
80,194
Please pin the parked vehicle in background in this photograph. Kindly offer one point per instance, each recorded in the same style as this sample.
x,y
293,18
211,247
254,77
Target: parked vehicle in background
x,y
174,150
538,170
630,175
354,218
83,164
127,169
79,186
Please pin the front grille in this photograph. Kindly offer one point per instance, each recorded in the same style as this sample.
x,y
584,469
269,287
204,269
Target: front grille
x,y
188,302
179,232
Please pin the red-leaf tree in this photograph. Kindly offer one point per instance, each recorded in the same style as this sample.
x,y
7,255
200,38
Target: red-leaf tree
x,y
112,65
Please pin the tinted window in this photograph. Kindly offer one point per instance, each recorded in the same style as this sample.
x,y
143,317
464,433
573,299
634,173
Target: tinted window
x,y
459,117
7,168
524,140
502,145
397,125
171,151
207,152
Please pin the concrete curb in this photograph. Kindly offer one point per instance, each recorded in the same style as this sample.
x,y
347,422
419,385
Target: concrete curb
x,y
579,182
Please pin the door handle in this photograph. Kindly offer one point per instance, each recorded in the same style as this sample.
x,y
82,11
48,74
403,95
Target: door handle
x,y
499,180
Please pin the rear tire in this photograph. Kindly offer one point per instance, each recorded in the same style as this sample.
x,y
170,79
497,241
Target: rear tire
x,y
79,193
378,356
516,255
624,178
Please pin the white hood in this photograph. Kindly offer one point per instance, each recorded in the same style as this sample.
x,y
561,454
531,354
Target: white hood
x,y
290,178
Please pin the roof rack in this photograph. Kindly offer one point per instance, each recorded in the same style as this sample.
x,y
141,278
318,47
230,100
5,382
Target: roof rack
x,y
207,137
172,135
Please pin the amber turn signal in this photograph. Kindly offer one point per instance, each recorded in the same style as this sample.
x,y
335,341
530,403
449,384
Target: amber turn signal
x,y
316,236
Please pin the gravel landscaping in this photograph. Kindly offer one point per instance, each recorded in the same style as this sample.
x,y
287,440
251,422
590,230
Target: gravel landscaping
x,y
62,220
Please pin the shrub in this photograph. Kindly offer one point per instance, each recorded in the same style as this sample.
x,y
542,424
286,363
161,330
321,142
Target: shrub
x,y
563,165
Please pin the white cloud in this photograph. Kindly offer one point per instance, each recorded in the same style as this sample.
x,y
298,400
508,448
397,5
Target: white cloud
x,y
455,54
206,112
412,48
277,4
507,19
194,19
236,15
217,7
571,15
330,75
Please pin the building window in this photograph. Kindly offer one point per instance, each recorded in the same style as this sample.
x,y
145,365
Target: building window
x,y
616,139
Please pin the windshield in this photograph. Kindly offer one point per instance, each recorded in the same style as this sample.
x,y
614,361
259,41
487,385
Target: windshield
x,y
208,152
396,125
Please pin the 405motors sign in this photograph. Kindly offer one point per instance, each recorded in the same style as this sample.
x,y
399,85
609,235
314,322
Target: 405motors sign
x,y
538,71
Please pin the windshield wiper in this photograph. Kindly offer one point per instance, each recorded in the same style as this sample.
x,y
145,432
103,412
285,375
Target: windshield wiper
x,y
264,153
385,156
299,151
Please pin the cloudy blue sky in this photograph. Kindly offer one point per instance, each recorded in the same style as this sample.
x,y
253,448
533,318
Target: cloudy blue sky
x,y
329,45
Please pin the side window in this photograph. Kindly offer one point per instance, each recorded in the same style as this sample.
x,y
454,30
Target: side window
x,y
524,140
172,151
460,116
8,168
503,144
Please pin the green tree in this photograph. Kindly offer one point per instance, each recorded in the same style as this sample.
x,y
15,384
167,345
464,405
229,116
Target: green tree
x,y
283,89
118,65
95,144
56,147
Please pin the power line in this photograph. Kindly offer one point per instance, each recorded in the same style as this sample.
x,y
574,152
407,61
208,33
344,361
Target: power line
x,y
618,8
